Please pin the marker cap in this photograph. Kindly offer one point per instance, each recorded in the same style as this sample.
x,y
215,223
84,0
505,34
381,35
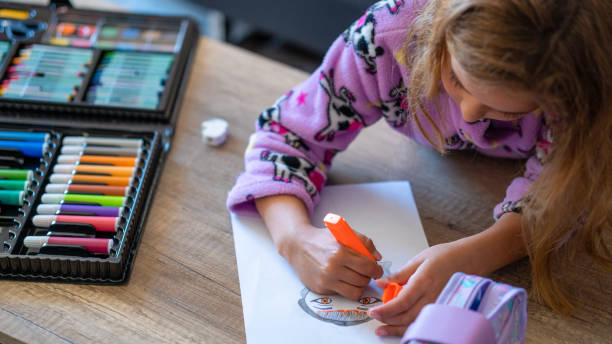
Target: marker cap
x,y
60,178
48,209
43,220
52,198
68,159
63,168
35,241
72,149
56,188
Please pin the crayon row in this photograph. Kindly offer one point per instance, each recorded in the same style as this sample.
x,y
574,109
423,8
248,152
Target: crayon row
x,y
46,73
86,197
20,154
130,79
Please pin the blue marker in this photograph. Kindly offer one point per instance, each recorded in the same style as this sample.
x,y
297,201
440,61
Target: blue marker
x,y
28,148
24,136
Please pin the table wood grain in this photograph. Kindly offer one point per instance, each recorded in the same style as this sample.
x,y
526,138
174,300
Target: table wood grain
x,y
184,284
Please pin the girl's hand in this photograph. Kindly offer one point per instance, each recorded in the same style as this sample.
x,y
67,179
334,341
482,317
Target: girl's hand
x,y
327,267
423,278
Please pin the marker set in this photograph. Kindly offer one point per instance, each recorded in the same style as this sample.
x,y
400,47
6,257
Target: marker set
x,y
80,198
47,73
130,79
86,196
94,63
20,154
88,105
116,32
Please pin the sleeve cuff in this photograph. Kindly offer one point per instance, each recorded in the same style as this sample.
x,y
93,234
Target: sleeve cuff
x,y
508,206
241,199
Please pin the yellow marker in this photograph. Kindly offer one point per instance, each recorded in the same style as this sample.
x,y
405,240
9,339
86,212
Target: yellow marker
x,y
59,41
14,14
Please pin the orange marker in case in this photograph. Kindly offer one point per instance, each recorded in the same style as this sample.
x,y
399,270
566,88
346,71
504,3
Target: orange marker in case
x,y
345,235
391,291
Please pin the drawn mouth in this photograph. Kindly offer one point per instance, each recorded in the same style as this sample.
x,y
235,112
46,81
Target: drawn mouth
x,y
344,315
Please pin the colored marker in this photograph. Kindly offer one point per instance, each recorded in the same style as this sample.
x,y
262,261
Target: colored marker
x,y
115,171
86,189
89,179
127,103
104,201
345,235
100,223
96,160
31,149
391,291
24,136
95,150
93,245
15,174
101,141
14,14
74,209
12,197
6,184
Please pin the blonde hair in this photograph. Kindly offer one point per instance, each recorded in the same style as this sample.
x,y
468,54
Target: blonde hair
x,y
559,51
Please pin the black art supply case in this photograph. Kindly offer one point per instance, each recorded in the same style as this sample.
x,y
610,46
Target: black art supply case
x,y
155,126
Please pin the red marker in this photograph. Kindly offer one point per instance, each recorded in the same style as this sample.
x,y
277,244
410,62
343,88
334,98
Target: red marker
x,y
100,223
93,245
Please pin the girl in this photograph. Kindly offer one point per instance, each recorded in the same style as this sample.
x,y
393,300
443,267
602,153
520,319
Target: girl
x,y
508,78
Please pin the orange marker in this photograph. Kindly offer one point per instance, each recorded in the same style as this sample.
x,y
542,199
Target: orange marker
x,y
113,171
96,160
89,179
345,235
391,291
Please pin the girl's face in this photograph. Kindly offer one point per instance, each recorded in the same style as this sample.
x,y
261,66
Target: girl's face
x,y
478,101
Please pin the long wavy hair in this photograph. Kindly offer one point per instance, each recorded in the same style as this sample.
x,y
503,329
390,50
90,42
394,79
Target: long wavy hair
x,y
560,52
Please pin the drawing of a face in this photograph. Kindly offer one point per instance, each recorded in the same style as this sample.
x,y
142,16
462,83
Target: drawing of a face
x,y
337,309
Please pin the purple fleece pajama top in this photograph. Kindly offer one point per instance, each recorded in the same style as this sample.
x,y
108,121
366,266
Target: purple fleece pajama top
x,y
361,81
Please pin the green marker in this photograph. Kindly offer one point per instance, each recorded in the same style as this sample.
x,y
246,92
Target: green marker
x,y
14,184
14,174
105,201
11,197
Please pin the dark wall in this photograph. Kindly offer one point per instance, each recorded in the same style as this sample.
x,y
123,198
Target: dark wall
x,y
313,24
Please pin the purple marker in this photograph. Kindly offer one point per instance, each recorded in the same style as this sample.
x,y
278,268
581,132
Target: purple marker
x,y
71,209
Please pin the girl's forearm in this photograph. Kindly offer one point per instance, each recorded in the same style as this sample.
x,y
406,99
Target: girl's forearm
x,y
284,215
495,247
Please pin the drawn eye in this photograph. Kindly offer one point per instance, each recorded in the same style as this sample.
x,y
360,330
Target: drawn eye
x,y
323,300
368,300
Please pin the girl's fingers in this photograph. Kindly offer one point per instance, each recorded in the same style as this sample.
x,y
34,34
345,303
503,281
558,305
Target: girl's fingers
x,y
347,290
387,330
361,264
353,278
369,244
402,276
411,293
406,318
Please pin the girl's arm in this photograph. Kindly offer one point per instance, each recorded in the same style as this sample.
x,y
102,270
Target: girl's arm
x,y
426,274
323,265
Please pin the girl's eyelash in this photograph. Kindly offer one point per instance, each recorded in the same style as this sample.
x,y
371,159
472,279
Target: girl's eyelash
x,y
455,80
514,114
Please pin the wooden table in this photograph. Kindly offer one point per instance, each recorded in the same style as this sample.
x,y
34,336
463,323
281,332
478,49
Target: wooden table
x,y
184,285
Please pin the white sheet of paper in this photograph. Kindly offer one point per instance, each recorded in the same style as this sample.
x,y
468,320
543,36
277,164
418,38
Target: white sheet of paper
x,y
386,212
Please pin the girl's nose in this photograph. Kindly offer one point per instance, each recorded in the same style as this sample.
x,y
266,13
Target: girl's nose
x,y
472,110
